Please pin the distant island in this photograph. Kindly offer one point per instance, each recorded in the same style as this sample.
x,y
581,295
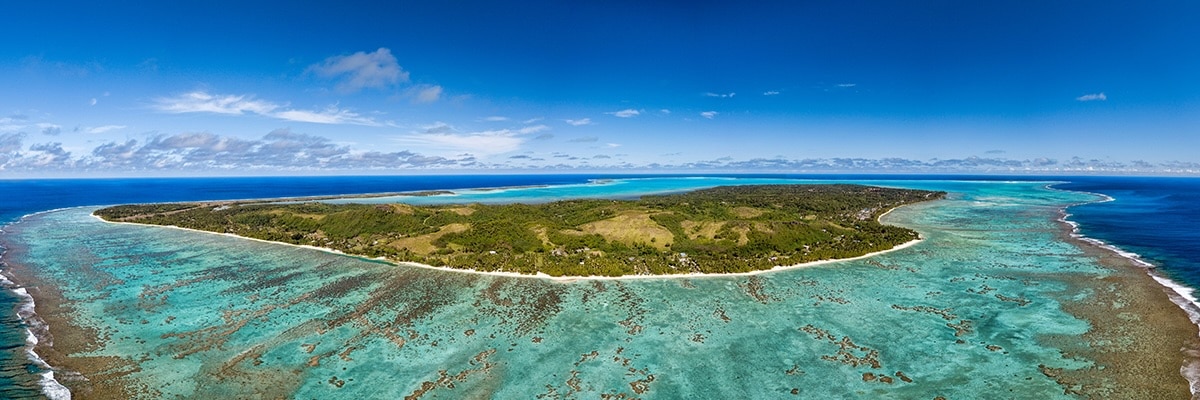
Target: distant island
x,y
728,229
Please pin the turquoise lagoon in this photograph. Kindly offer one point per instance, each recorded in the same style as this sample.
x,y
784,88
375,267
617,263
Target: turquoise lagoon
x,y
961,314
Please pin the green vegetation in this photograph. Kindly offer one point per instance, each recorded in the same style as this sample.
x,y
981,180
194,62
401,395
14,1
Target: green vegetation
x,y
720,230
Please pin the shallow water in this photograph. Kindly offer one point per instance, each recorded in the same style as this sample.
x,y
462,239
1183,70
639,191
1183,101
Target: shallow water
x,y
22,376
960,315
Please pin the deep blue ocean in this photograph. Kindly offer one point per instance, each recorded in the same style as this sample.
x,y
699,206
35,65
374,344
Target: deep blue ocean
x,y
1157,218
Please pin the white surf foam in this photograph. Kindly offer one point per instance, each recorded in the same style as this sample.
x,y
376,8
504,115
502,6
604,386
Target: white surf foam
x,y
36,331
53,389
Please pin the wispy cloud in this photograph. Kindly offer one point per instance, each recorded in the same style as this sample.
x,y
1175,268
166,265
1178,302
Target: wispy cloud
x,y
428,94
10,143
331,115
847,85
50,129
496,118
149,65
102,129
476,143
709,114
532,129
203,102
579,122
362,70
664,111
720,95
1092,97
39,63
771,93
21,123
441,137
626,113
200,101
585,139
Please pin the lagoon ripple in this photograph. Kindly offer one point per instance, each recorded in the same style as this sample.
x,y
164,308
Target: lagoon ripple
x,y
974,309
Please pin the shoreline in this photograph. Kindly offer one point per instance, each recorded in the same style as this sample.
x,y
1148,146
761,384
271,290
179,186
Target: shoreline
x,y
1189,302
1158,325
37,333
540,275
55,342
37,329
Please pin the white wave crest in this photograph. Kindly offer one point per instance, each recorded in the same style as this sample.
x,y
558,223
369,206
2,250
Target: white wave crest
x,y
36,331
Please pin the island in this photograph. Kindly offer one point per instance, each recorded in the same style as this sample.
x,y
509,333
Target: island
x,y
721,230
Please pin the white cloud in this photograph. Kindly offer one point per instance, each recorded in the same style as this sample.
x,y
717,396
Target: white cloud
x,y
50,129
428,94
203,102
362,70
721,95
437,127
613,145
770,93
480,144
46,155
105,128
664,111
10,144
626,113
495,118
6,126
847,85
532,129
532,120
1092,97
199,101
709,114
92,102
331,115
17,123
579,122
443,138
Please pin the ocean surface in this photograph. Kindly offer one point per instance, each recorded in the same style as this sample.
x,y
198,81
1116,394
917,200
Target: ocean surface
x,y
1155,219
584,337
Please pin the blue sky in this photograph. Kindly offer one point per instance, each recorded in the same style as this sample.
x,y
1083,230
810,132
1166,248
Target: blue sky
x,y
120,88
